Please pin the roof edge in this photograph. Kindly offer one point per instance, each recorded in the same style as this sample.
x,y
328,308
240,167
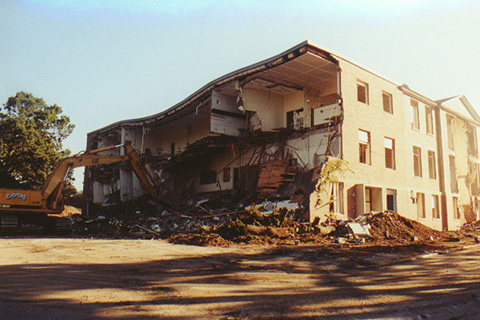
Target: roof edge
x,y
268,63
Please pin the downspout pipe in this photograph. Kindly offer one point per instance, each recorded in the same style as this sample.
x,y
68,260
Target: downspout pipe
x,y
441,168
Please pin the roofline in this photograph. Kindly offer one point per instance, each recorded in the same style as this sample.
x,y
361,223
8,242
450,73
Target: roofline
x,y
339,56
439,104
405,89
285,56
274,61
470,108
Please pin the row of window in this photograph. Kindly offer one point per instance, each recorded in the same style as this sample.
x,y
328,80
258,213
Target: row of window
x,y
387,102
435,205
420,200
363,96
391,201
417,163
416,117
365,149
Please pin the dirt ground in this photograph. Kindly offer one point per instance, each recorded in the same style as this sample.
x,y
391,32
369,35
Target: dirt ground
x,y
49,278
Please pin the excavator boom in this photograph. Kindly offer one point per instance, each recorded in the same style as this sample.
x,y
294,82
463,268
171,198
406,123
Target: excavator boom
x,y
49,199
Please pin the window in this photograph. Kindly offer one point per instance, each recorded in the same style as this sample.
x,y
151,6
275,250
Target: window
x,y
387,102
420,205
472,140
435,211
362,92
391,200
450,125
336,197
456,209
453,175
415,115
208,177
389,153
432,170
226,174
417,161
429,119
295,119
364,146
368,200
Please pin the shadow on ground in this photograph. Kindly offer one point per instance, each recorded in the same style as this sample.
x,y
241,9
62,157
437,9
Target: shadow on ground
x,y
283,283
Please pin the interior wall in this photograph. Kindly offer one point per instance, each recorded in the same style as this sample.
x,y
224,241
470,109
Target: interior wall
x,y
268,105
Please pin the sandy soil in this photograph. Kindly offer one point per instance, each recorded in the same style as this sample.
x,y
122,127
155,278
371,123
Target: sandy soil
x,y
140,279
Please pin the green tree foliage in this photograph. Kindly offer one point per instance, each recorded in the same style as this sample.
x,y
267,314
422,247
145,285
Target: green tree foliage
x,y
31,135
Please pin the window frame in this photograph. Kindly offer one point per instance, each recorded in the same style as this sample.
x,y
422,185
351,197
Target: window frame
x,y
393,194
472,140
432,164
390,99
364,147
227,174
417,159
421,213
415,114
435,206
429,126
336,205
456,209
450,129
453,174
392,151
364,86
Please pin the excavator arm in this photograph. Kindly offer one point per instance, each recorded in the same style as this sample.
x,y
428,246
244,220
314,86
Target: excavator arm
x,y
52,189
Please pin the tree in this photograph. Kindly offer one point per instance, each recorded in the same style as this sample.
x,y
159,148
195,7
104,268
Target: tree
x,y
31,136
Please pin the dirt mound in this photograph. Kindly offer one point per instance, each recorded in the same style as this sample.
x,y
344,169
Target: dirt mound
x,y
391,225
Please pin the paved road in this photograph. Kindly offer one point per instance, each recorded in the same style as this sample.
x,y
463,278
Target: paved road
x,y
130,279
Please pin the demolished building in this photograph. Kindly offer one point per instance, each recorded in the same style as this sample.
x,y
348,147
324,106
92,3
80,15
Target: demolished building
x,y
264,131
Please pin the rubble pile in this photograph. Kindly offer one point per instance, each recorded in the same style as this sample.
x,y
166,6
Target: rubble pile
x,y
392,226
272,223
139,225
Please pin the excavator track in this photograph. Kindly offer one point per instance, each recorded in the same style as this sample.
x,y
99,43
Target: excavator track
x,y
22,225
63,225
8,224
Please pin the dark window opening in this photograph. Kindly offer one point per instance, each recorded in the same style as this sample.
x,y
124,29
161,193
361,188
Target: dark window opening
x,y
226,174
387,102
364,146
295,119
391,200
389,153
362,92
421,205
208,177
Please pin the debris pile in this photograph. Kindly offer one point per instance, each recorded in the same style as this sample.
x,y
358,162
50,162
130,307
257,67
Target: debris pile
x,y
276,223
392,226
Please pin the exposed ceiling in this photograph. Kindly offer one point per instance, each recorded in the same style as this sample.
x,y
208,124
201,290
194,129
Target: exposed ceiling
x,y
305,71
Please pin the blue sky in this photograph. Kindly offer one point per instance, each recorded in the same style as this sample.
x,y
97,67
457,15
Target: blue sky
x,y
105,61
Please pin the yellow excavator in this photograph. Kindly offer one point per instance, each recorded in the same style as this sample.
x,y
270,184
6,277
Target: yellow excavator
x,y
44,207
